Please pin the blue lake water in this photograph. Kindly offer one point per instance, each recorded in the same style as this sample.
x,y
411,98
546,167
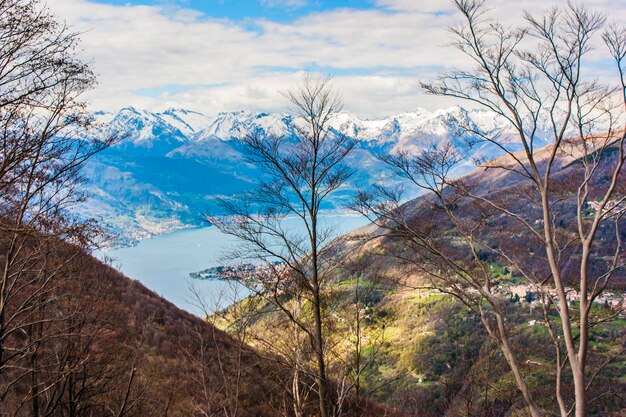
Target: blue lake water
x,y
163,263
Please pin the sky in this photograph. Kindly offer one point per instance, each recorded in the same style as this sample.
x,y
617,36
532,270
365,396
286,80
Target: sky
x,y
227,55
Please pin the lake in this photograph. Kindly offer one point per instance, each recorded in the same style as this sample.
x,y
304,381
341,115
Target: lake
x,y
163,263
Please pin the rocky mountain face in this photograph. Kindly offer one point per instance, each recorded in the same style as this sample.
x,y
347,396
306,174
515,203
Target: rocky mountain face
x,y
167,169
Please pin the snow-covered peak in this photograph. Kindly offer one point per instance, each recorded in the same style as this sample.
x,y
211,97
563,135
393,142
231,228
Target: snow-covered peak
x,y
187,121
235,125
152,130
140,126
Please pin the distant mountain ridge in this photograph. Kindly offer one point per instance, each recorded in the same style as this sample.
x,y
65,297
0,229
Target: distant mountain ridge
x,y
147,127
171,165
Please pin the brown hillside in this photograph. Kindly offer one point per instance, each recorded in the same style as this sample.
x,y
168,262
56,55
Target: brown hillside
x,y
132,353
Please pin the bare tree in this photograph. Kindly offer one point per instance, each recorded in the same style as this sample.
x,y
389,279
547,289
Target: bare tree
x,y
44,136
233,360
300,175
559,221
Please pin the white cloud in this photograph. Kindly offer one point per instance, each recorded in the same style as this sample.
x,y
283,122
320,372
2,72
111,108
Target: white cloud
x,y
284,3
189,60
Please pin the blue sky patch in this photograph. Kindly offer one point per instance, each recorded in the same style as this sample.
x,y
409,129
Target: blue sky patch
x,y
237,10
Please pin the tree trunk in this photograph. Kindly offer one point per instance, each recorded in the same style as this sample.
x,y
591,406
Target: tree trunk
x,y
322,383
580,393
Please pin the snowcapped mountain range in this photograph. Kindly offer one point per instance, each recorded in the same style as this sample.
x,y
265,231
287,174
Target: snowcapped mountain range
x,y
169,167
148,130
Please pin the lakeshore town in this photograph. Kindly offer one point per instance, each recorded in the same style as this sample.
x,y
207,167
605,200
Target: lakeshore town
x,y
524,293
